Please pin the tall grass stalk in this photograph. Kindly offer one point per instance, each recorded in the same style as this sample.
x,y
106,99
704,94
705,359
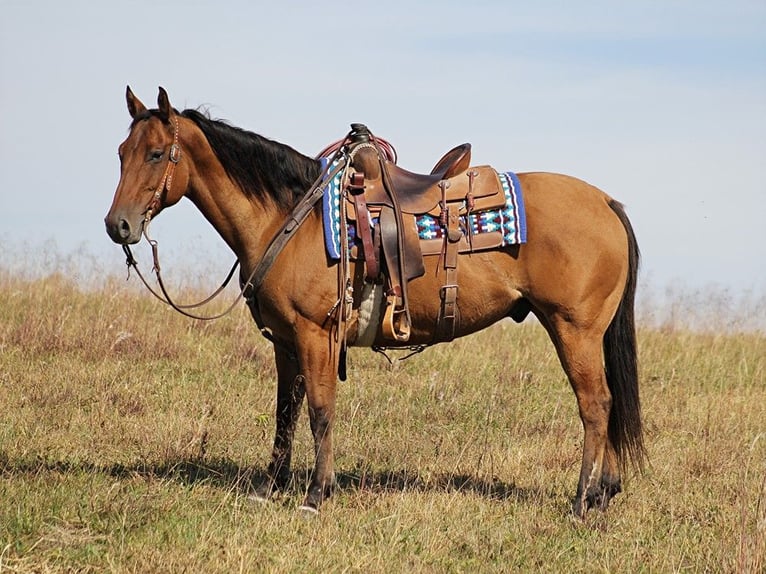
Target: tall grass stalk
x,y
130,438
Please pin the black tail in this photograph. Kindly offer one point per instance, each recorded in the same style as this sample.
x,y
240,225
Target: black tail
x,y
621,362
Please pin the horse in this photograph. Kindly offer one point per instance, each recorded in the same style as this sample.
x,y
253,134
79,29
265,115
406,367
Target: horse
x,y
576,274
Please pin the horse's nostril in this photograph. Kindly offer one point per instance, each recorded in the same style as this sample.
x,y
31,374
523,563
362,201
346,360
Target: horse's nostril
x,y
119,229
124,227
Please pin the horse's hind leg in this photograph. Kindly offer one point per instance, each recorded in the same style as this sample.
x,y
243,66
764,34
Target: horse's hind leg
x,y
611,481
290,393
581,353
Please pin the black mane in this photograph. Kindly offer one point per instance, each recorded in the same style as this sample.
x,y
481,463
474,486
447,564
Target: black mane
x,y
261,167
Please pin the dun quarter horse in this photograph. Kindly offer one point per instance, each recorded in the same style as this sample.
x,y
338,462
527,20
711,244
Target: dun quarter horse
x,y
577,274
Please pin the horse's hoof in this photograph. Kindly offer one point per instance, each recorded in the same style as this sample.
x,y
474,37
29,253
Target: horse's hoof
x,y
307,510
580,508
259,498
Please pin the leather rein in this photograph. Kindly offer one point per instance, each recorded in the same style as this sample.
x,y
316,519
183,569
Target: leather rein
x,y
252,285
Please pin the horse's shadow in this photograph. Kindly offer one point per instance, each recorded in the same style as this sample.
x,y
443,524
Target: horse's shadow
x,y
410,480
229,475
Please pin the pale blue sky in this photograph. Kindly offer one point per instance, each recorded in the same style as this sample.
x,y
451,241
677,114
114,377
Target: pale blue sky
x,y
660,103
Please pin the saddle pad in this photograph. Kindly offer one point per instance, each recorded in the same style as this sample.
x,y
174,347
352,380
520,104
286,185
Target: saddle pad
x,y
331,210
510,220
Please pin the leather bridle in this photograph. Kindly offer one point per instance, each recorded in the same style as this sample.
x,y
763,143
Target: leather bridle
x,y
252,285
174,156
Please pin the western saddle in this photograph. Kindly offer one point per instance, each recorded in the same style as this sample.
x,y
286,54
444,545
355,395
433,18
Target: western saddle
x,y
386,204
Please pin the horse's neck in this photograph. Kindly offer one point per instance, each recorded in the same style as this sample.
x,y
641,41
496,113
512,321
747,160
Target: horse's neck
x,y
245,223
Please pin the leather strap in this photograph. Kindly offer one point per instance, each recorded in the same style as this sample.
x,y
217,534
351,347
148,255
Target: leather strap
x,y
300,212
396,319
174,156
298,215
448,318
363,222
400,314
470,203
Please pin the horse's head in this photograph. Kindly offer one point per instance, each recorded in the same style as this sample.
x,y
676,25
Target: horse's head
x,y
152,171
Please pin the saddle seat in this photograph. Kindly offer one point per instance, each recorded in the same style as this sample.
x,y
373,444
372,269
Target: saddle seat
x,y
385,202
414,193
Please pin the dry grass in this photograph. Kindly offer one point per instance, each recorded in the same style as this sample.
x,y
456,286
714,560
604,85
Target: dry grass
x,y
130,438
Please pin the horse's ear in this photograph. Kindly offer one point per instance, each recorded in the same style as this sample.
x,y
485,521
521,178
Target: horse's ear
x,y
135,106
163,105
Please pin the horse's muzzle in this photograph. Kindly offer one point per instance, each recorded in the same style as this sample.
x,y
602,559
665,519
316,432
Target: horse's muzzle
x,y
121,231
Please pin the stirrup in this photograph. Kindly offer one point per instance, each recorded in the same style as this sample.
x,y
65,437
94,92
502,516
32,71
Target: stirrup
x,y
396,324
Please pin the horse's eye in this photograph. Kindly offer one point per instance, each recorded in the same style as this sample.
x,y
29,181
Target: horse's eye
x,y
156,154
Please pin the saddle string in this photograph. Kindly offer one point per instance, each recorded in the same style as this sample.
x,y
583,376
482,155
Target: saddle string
x,y
345,287
342,309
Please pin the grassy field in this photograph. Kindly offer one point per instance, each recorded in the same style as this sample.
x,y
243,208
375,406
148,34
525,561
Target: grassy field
x,y
130,438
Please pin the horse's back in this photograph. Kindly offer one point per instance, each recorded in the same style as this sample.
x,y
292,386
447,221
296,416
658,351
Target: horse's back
x,y
558,194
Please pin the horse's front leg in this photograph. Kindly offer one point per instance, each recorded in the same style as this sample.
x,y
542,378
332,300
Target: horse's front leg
x,y
290,393
318,366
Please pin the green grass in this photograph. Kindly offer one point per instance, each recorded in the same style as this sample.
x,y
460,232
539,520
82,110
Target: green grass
x,y
130,438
